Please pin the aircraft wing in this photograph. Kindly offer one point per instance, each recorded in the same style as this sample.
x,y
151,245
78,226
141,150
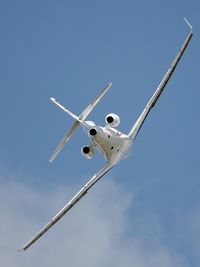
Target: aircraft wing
x,y
70,204
77,121
138,124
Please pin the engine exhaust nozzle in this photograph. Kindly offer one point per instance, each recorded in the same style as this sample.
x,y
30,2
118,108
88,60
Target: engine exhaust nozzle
x,y
93,131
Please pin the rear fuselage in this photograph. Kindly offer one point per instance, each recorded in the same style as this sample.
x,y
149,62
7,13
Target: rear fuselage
x,y
111,142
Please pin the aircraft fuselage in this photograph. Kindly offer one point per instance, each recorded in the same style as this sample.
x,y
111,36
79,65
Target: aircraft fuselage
x,y
114,144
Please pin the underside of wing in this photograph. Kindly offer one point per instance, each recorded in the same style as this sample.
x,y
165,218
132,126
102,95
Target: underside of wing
x,y
70,204
138,124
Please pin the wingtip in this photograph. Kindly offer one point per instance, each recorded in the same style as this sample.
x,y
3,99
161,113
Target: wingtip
x,y
110,84
53,156
190,26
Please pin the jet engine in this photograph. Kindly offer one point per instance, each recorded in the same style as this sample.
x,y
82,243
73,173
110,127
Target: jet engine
x,y
112,119
87,152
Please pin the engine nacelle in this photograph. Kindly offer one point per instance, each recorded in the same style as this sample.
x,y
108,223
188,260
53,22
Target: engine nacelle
x,y
87,152
112,119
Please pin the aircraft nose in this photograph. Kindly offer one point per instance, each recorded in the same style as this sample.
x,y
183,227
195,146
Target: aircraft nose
x,y
93,131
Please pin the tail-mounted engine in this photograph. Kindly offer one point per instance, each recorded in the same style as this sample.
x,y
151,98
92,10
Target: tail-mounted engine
x,y
112,119
87,152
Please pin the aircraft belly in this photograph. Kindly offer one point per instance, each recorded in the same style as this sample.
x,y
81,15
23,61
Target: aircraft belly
x,y
113,147
104,146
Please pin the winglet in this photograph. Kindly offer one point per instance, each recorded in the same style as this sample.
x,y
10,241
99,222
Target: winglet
x,y
188,24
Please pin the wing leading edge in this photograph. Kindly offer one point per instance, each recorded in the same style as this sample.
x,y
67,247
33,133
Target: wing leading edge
x,y
70,204
138,124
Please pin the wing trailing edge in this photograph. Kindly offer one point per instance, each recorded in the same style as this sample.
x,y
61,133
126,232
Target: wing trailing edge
x,y
138,124
69,205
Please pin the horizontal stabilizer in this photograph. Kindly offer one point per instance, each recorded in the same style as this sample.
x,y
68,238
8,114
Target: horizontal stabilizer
x,y
64,140
78,120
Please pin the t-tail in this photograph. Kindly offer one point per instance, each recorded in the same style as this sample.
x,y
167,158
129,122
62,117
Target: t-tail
x,y
79,120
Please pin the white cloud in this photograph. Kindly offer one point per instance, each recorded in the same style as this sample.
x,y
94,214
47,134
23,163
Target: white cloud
x,y
94,233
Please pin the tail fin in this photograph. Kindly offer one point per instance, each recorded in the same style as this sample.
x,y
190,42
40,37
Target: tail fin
x,y
78,120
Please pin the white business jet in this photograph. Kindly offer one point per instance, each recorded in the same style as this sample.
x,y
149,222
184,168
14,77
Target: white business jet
x,y
113,144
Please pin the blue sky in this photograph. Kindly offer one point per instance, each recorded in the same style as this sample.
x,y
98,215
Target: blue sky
x,y
146,210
